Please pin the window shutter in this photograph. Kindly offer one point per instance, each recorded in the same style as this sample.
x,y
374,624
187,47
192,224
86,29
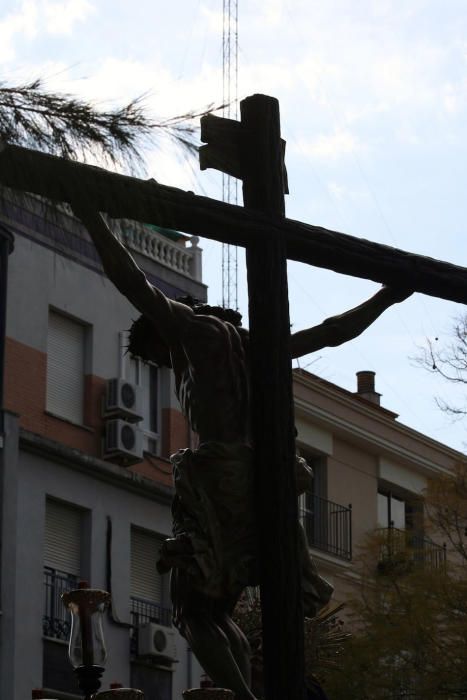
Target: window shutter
x,y
62,549
65,368
145,583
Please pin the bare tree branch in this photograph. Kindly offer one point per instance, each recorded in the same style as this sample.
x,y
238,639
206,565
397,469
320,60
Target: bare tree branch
x,y
449,362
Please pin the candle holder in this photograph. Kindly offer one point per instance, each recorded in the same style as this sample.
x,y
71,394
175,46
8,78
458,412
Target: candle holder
x,y
120,694
38,694
86,650
208,694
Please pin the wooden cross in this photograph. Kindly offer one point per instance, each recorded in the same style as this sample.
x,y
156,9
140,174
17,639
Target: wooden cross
x,y
252,150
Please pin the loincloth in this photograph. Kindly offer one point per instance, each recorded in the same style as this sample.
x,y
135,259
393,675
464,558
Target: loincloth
x,y
215,544
215,536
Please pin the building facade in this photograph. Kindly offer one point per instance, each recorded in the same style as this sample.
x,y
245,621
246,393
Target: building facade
x,y
86,479
369,474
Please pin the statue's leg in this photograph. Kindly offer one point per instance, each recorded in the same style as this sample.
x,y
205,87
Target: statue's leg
x,y
195,615
213,649
239,645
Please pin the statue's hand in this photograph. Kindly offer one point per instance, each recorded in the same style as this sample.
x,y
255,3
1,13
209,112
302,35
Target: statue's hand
x,y
175,551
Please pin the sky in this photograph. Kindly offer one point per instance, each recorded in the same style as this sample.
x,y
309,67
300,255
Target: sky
x,y
373,99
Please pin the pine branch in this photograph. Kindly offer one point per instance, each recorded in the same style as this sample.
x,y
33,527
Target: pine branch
x,y
73,128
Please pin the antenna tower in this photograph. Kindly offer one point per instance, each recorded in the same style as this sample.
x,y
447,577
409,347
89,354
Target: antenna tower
x,y
230,102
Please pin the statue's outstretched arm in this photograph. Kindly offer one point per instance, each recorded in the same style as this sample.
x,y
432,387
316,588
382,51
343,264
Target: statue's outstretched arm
x,y
129,279
337,330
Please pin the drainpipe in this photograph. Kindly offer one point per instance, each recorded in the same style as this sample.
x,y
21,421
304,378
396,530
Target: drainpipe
x,y
6,247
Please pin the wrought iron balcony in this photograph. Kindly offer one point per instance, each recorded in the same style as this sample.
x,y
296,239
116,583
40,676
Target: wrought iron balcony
x,y
56,619
405,548
328,525
147,611
142,611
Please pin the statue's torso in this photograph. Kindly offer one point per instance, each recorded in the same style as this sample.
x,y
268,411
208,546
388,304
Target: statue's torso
x,y
212,387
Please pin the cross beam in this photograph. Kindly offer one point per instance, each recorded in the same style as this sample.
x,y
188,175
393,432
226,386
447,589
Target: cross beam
x,y
122,196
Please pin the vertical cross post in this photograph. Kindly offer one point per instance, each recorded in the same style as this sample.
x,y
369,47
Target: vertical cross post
x,y
272,406
253,151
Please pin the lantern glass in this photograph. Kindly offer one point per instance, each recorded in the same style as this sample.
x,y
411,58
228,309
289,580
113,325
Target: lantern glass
x,y
87,645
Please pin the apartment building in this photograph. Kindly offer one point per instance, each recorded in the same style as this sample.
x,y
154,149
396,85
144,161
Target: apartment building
x,y
86,480
369,474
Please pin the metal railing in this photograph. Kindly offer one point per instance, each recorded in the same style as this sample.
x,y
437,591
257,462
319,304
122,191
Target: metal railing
x,y
56,619
147,611
327,525
408,547
142,611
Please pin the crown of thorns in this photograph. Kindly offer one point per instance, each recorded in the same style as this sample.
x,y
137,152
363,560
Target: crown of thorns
x,y
199,307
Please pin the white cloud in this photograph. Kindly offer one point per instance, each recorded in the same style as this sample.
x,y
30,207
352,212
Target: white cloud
x,y
168,166
333,146
345,193
272,11
21,22
120,80
212,20
36,17
60,17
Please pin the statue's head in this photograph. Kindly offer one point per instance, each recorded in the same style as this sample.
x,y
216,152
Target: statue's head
x,y
233,317
146,342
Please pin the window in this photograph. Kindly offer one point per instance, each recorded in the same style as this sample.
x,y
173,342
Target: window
x,y
393,511
147,586
146,375
148,593
400,515
62,570
62,563
318,485
65,367
327,525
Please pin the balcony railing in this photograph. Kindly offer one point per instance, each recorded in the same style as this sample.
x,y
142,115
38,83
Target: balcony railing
x,y
406,548
56,619
328,525
169,253
146,611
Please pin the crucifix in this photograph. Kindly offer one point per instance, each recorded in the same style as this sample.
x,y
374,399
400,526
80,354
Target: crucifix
x,y
253,151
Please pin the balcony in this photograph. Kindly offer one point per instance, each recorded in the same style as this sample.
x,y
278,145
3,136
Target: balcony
x,y
150,242
147,611
142,611
328,525
404,549
56,619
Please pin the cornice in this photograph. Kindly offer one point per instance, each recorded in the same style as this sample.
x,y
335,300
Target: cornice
x,y
378,416
94,468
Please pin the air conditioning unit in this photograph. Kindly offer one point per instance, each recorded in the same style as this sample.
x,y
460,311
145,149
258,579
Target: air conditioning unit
x,y
157,641
123,442
123,400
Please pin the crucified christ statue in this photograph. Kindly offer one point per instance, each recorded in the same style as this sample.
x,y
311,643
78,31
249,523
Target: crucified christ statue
x,y
213,553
